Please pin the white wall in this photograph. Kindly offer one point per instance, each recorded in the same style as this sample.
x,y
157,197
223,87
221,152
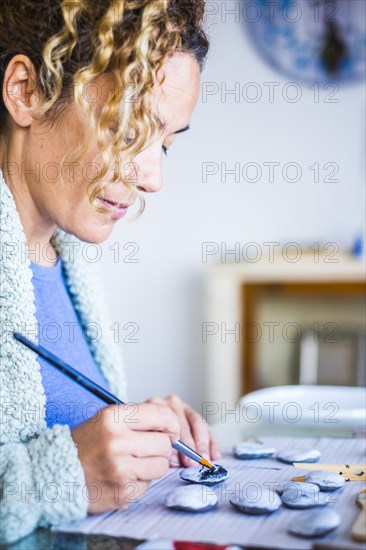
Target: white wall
x,y
162,293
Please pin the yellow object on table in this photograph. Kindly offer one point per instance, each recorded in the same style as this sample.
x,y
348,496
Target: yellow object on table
x,y
352,472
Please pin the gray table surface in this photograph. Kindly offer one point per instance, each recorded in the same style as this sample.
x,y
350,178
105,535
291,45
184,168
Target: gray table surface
x,y
45,539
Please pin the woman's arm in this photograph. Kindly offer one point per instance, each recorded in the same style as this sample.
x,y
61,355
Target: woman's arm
x,y
102,464
42,483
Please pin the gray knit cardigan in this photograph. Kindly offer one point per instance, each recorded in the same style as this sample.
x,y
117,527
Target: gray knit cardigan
x,y
42,480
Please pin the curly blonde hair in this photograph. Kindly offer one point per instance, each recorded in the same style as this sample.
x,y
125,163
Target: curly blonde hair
x,y
72,42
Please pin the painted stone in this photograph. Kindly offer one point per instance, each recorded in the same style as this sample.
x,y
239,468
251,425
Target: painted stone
x,y
191,498
315,523
203,475
247,450
298,455
302,495
256,500
326,481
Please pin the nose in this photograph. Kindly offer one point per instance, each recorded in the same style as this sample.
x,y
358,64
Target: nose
x,y
149,170
150,183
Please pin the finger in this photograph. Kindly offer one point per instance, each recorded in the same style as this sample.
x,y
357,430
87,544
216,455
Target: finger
x,y
147,469
174,460
156,400
200,431
145,444
128,493
155,417
185,430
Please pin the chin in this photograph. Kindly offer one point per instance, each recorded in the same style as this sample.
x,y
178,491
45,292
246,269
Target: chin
x,y
93,234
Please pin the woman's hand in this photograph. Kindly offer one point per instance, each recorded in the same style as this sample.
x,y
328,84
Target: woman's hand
x,y
122,448
194,432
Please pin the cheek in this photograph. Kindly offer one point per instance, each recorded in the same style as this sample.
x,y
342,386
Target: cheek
x,y
87,169
74,212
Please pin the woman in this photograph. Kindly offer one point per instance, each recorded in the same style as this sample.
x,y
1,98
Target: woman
x,y
92,93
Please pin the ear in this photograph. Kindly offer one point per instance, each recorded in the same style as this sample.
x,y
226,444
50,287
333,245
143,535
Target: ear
x,y
19,93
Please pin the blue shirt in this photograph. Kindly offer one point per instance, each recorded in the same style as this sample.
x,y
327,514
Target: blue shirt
x,y
60,331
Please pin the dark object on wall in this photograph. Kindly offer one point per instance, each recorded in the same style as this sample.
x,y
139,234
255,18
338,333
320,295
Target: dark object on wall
x,y
334,50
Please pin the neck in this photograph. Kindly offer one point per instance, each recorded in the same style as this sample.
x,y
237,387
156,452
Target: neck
x,y
37,228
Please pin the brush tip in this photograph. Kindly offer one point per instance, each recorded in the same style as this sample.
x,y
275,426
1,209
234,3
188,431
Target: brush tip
x,y
206,463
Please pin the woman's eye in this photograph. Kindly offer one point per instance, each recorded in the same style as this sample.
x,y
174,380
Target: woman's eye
x,y
114,129
165,150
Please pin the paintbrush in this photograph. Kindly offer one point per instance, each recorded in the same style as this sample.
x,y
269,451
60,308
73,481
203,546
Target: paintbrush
x,y
98,391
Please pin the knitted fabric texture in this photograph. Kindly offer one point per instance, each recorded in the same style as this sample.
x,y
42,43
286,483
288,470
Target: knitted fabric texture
x,y
42,480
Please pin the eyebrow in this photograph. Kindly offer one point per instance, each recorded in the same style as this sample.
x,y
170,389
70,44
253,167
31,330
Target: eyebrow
x,y
162,125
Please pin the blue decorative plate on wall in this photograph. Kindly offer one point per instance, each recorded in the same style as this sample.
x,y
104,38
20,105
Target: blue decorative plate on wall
x,y
310,40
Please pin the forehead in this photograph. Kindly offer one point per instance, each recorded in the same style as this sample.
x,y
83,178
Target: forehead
x,y
176,98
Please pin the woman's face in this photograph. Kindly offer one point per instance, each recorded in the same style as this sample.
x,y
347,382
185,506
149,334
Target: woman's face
x,y
40,150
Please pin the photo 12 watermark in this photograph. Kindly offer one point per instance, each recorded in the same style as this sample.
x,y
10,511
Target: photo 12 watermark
x,y
269,251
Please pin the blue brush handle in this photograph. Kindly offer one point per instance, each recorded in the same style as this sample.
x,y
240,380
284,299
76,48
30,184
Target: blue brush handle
x,y
67,369
91,386
187,451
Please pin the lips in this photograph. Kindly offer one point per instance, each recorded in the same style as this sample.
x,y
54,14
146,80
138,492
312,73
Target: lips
x,y
109,203
117,209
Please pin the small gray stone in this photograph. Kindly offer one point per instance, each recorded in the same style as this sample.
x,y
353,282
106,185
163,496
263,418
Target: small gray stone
x,y
315,523
248,450
326,481
256,500
203,475
302,495
298,485
192,498
298,455
303,486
